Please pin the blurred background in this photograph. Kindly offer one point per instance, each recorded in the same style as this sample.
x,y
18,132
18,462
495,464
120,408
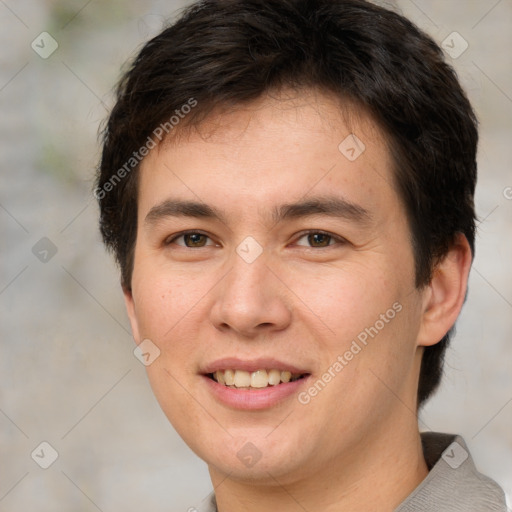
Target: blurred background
x,y
68,375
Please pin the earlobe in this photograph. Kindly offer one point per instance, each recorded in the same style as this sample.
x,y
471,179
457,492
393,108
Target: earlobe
x,y
445,294
130,310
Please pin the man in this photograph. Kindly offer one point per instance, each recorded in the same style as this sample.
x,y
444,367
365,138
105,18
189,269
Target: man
x,y
288,189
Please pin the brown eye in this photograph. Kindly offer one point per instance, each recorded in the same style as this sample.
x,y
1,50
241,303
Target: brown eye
x,y
192,239
195,240
319,240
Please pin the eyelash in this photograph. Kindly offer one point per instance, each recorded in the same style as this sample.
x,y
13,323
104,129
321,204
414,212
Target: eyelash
x,y
336,238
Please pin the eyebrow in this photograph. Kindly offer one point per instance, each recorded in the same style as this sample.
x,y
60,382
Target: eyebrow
x,y
330,206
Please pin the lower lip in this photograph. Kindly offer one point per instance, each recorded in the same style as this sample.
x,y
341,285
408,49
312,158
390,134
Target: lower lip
x,y
253,399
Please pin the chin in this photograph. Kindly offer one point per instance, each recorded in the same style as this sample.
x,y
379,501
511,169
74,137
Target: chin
x,y
256,458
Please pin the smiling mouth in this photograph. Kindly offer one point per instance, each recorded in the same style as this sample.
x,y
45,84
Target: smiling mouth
x,y
241,379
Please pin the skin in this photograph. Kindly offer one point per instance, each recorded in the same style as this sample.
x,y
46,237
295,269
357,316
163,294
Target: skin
x,y
355,446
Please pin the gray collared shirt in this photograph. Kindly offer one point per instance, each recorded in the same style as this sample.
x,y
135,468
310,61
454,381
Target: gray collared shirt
x,y
452,485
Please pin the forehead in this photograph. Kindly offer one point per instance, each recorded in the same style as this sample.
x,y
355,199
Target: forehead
x,y
271,149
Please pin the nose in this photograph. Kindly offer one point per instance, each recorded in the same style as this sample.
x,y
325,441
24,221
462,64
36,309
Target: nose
x,y
251,300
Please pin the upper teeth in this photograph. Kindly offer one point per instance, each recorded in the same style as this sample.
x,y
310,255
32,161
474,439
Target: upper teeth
x,y
257,379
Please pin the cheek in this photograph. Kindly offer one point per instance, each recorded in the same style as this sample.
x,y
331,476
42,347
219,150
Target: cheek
x,y
347,299
372,316
170,312
163,300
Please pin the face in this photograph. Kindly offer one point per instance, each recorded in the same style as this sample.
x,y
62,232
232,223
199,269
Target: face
x,y
267,252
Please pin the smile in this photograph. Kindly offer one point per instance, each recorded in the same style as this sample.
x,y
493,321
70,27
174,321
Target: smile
x,y
253,384
242,379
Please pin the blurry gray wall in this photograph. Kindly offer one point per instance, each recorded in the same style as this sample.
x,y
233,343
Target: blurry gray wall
x,y
68,376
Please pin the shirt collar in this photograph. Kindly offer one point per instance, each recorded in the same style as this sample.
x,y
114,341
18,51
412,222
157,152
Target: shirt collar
x,y
453,483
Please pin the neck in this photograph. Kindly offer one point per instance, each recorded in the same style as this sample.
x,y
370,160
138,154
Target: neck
x,y
376,474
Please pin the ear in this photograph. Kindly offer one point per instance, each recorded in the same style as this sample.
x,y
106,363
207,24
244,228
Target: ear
x,y
444,296
130,309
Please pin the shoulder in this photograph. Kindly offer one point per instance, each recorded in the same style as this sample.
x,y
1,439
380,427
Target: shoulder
x,y
453,483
